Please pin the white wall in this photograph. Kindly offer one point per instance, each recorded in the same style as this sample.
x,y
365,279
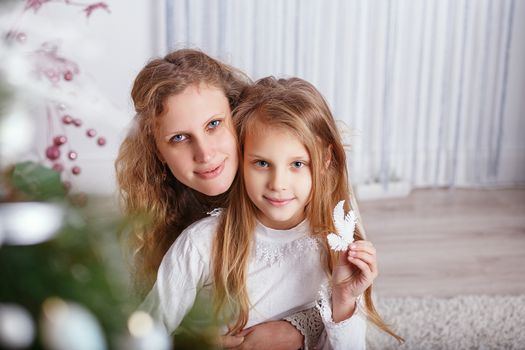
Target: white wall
x,y
433,89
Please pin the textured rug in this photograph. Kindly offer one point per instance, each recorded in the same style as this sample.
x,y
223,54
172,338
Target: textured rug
x,y
463,322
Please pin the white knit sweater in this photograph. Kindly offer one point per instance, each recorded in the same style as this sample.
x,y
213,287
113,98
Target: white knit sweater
x,y
285,275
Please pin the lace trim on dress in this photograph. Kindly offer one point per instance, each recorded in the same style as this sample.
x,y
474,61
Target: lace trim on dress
x,y
274,253
324,305
310,324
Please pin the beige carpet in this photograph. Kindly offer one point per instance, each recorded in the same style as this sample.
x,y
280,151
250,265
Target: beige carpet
x,y
463,322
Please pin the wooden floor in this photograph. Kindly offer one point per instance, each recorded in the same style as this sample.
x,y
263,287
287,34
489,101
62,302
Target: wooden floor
x,y
449,242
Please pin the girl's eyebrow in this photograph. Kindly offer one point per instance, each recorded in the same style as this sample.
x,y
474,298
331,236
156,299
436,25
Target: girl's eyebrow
x,y
253,155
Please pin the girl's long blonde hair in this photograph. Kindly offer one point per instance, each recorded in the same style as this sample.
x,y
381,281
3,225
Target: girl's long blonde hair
x,y
297,106
146,185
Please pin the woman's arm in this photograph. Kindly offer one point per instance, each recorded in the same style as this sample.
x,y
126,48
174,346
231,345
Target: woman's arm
x,y
300,330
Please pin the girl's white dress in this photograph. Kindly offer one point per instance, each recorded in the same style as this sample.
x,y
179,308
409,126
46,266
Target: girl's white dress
x,y
285,275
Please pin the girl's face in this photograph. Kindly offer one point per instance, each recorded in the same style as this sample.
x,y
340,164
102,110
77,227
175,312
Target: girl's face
x,y
195,139
277,176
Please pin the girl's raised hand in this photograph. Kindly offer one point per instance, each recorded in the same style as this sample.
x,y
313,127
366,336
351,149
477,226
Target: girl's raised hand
x,y
355,271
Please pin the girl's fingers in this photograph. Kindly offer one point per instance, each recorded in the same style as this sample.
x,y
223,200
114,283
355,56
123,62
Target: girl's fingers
x,y
361,265
365,246
367,258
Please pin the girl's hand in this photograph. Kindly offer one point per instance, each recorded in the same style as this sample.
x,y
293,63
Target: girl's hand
x,y
355,271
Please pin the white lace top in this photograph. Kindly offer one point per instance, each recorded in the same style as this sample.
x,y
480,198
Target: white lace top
x,y
285,275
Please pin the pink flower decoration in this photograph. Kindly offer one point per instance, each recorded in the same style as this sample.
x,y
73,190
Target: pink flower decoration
x,y
99,5
35,4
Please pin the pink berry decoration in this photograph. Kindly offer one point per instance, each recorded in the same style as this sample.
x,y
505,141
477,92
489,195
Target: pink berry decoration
x,y
67,119
72,155
91,132
68,75
77,122
75,170
101,141
53,152
59,140
58,167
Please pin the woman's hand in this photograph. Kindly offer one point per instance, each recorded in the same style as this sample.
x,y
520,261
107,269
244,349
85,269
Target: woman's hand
x,y
278,335
355,271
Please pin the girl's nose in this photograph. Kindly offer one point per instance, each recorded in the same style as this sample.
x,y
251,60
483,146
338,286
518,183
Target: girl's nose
x,y
278,180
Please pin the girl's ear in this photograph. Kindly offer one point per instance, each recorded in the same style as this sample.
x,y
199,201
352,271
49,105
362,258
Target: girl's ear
x,y
328,157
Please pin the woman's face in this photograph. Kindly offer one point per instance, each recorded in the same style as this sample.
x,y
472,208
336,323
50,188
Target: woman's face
x,y
196,139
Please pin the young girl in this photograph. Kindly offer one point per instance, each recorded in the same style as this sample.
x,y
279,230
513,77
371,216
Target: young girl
x,y
266,255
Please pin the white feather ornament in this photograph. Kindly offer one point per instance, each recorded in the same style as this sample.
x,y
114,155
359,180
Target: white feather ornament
x,y
345,226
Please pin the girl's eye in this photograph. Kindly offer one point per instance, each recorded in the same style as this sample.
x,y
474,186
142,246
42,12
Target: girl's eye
x,y
298,164
214,124
178,138
262,163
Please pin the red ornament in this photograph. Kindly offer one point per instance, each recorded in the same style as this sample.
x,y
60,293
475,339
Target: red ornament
x,y
77,122
101,141
53,152
68,75
59,140
75,170
58,167
72,155
67,119
91,132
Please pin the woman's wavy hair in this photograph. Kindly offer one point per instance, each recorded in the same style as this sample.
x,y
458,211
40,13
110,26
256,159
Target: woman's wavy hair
x,y
147,187
296,106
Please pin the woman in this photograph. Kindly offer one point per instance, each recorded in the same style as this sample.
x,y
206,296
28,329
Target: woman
x,y
177,163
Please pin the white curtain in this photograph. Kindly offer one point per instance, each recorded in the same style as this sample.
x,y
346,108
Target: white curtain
x,y
432,90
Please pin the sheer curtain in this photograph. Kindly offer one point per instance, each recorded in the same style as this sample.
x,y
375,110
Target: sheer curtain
x,y
432,92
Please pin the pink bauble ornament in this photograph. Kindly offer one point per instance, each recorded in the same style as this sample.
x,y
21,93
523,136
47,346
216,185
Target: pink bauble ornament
x,y
53,152
58,167
77,122
67,119
68,75
72,155
91,132
75,170
59,140
101,141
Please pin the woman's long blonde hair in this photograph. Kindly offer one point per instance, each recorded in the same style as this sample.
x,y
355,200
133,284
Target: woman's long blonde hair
x,y
147,187
297,106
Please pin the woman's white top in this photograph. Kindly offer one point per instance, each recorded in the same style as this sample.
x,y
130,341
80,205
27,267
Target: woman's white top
x,y
285,275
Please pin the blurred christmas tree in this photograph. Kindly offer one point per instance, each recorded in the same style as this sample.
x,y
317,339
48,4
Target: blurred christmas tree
x,y
63,273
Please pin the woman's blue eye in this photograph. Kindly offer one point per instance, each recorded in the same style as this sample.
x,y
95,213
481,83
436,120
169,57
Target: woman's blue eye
x,y
178,138
298,164
262,163
214,124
